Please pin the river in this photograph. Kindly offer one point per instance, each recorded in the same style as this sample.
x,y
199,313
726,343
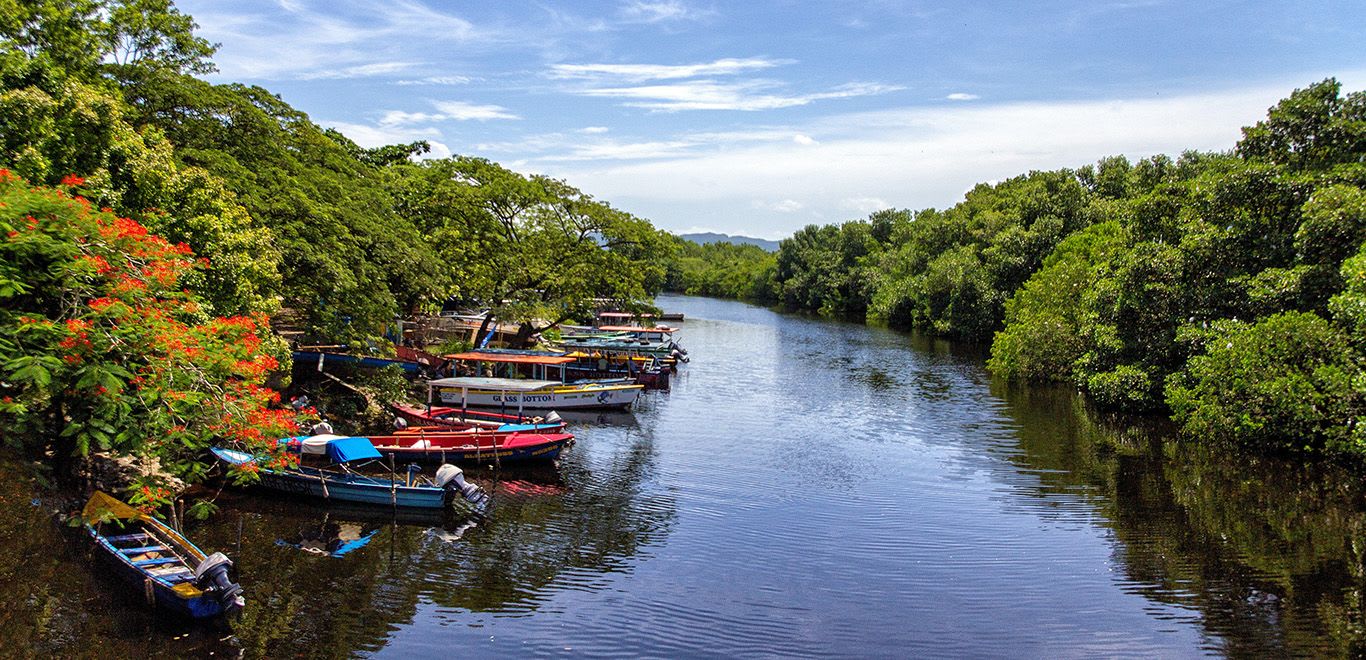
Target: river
x,y
806,488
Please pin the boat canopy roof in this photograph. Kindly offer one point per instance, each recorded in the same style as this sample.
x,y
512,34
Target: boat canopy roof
x,y
623,315
513,358
631,328
632,358
505,384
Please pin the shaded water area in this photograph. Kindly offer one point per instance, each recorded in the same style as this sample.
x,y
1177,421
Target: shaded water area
x,y
806,488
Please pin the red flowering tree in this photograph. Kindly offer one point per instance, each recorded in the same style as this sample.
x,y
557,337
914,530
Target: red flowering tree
x,y
103,349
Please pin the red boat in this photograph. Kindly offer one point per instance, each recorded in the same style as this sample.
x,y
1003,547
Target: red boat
x,y
473,447
455,419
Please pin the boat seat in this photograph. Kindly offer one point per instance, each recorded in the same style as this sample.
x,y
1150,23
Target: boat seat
x,y
156,562
176,577
143,549
127,537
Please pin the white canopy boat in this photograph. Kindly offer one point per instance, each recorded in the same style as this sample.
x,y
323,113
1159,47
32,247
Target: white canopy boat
x,y
516,394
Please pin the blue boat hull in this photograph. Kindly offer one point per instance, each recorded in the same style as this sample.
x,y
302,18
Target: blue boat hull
x,y
342,488
341,491
163,593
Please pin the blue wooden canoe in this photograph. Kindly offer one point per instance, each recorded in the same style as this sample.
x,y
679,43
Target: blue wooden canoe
x,y
344,485
164,567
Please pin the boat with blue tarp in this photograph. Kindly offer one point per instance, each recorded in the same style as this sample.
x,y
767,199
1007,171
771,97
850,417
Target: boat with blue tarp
x,y
328,469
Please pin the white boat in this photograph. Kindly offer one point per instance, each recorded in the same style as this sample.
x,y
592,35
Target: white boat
x,y
517,394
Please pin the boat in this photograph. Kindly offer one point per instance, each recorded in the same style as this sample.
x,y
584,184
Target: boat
x,y
650,371
519,394
339,481
656,342
613,316
473,448
478,420
171,572
537,391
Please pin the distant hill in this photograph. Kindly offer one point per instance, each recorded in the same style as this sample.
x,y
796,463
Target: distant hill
x,y
708,237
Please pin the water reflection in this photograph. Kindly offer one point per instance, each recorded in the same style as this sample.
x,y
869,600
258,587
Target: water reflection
x,y
1265,552
329,581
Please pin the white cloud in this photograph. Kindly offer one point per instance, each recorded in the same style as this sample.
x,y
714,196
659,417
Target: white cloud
x,y
624,151
864,205
962,96
393,120
912,157
711,95
313,43
645,72
787,206
804,140
559,147
462,111
641,11
358,71
436,80
399,117
378,136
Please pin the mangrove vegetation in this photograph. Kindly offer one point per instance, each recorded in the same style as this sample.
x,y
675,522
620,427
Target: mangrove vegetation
x,y
1225,289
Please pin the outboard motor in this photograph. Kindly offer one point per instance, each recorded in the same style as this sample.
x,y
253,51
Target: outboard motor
x,y
679,356
452,479
212,576
553,418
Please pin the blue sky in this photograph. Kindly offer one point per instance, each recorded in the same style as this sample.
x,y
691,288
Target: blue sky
x,y
762,116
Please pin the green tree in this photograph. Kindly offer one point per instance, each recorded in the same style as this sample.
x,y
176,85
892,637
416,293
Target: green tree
x,y
1043,334
67,127
1315,128
349,261
78,36
534,250
1288,382
154,34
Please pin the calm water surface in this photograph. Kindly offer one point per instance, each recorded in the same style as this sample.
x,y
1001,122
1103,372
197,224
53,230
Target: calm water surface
x,y
806,488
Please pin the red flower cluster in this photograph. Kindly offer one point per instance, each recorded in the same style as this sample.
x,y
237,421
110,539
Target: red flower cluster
x,y
101,266
189,382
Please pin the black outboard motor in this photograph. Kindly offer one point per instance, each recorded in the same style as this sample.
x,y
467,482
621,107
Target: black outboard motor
x,y
452,479
212,576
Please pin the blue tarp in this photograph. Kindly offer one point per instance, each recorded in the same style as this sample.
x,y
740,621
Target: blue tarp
x,y
343,450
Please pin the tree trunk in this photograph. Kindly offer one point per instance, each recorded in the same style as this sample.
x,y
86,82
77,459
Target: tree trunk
x,y
524,332
483,327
